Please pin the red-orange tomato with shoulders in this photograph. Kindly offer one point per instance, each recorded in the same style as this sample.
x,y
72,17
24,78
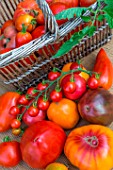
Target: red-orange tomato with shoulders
x,y
90,147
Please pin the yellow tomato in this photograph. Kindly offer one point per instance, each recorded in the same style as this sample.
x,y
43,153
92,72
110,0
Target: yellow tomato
x,y
66,68
56,166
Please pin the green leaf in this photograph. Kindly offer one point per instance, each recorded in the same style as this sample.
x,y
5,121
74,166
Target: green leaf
x,y
91,31
70,13
100,17
67,46
109,2
74,40
109,10
109,20
86,18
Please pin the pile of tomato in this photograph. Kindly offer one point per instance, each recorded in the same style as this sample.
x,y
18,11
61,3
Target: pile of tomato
x,y
42,115
28,22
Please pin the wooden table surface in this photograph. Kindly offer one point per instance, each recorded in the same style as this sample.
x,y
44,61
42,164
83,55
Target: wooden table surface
x,y
88,62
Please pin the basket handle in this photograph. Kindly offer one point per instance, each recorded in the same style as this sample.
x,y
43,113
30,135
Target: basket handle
x,y
50,21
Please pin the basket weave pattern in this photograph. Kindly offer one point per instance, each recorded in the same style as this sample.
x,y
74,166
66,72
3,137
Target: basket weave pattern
x,y
16,70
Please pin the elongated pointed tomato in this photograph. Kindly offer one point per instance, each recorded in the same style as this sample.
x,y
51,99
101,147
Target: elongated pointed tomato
x,y
104,67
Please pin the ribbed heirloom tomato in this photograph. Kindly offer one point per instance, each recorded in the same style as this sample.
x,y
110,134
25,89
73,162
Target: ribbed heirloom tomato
x,y
90,147
42,143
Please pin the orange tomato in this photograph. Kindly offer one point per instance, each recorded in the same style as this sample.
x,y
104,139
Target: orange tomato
x,y
27,20
56,166
64,113
66,68
90,147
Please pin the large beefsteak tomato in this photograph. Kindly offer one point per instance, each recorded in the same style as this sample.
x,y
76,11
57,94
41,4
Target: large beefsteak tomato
x,y
90,147
42,143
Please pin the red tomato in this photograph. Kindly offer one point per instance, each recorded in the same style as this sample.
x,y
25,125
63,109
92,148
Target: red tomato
x,y
42,86
103,66
26,20
23,38
6,24
93,83
29,120
31,4
90,147
40,17
23,100
69,3
31,92
57,8
69,87
7,100
5,50
33,111
43,104
75,66
15,123
14,110
10,154
43,143
38,32
80,86
86,3
53,75
56,96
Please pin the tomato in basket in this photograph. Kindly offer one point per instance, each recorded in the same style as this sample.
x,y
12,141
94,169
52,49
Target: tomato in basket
x,y
6,24
86,3
69,3
27,20
57,8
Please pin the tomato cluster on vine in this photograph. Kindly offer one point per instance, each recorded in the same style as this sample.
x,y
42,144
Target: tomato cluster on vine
x,y
37,99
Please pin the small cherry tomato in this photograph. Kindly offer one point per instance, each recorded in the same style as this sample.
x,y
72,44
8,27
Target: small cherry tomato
x,y
42,103
33,111
31,92
15,123
42,86
69,87
16,131
56,96
75,66
93,83
23,100
53,75
15,110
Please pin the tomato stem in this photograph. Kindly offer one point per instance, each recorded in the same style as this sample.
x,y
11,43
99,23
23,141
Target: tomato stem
x,y
6,139
92,141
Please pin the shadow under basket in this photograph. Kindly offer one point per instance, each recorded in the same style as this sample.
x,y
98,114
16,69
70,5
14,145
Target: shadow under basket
x,y
31,69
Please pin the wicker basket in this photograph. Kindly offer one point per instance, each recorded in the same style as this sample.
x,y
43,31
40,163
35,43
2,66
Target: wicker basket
x,y
19,68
